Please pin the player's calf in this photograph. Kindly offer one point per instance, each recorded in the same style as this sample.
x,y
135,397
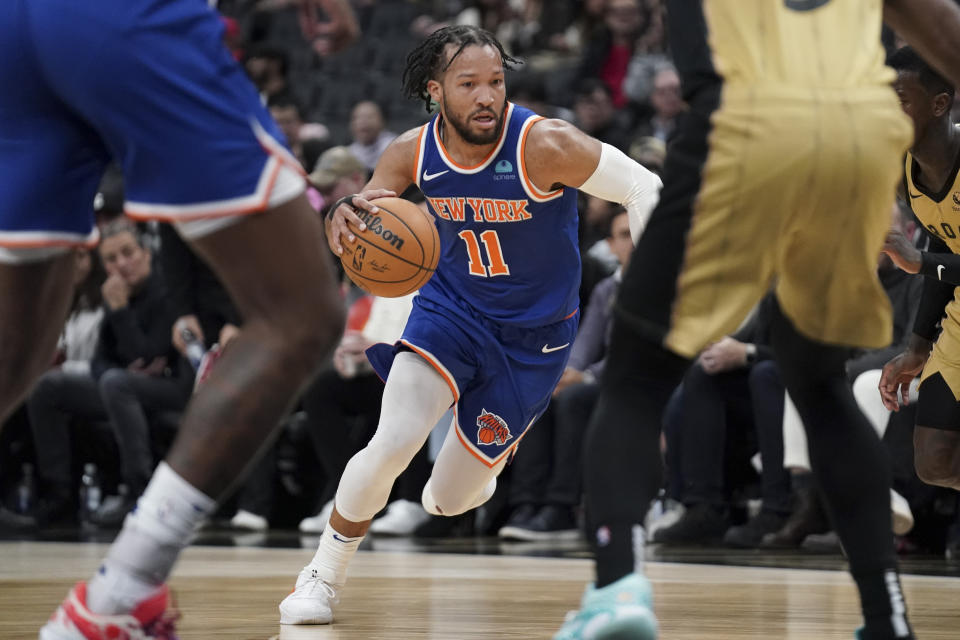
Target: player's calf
x,y
937,456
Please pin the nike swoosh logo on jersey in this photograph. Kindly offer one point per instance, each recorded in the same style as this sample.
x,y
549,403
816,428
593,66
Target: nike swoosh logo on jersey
x,y
915,196
939,272
549,349
427,177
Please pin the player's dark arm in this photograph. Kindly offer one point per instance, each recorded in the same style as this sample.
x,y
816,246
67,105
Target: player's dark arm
x,y
558,154
392,175
932,27
938,262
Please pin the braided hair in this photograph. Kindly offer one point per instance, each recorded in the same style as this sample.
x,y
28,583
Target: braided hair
x,y
426,62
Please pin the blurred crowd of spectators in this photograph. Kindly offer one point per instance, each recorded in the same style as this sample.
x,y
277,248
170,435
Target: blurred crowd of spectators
x,y
128,359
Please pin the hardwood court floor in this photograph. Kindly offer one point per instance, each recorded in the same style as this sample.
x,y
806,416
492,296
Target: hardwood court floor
x,y
233,593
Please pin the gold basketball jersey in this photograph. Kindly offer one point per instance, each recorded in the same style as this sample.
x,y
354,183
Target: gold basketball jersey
x,y
938,212
816,43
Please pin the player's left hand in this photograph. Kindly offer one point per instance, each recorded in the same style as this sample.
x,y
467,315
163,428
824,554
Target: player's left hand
x,y
337,219
725,355
902,252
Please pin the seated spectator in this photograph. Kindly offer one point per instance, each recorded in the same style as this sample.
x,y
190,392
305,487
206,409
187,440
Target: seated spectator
x,y
528,90
338,173
74,351
630,27
545,484
666,102
595,114
134,371
732,391
79,338
289,117
204,309
571,36
370,137
268,68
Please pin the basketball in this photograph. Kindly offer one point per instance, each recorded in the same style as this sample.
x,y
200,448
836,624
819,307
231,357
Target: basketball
x,y
397,253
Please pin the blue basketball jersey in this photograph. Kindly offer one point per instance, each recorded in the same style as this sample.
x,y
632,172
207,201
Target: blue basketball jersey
x,y
508,249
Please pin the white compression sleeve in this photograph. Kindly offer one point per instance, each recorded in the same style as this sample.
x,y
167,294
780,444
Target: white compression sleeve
x,y
620,179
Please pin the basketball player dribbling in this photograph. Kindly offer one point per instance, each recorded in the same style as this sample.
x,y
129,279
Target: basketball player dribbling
x,y
150,84
490,332
793,127
931,188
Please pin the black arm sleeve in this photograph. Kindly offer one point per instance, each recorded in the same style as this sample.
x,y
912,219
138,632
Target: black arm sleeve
x,y
936,295
944,267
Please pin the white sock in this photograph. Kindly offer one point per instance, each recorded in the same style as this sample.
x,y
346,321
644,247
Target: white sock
x,y
167,516
333,555
639,548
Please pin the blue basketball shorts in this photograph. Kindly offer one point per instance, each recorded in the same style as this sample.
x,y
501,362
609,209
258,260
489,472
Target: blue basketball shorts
x,y
501,376
145,82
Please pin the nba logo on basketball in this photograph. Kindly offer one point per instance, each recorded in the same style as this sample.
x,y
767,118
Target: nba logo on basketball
x,y
491,429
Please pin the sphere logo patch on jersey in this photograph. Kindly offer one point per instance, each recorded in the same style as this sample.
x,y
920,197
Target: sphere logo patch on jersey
x,y
504,171
492,429
956,200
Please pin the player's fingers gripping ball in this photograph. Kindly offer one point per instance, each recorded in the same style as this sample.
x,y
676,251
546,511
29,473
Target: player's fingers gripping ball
x,y
397,252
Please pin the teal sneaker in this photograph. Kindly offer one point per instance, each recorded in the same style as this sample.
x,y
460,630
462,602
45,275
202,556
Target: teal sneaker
x,y
622,610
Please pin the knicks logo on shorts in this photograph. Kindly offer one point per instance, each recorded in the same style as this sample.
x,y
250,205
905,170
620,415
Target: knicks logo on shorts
x,y
492,429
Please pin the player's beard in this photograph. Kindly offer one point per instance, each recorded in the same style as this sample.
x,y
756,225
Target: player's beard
x,y
462,125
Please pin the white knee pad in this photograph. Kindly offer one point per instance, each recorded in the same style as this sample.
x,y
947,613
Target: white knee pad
x,y
452,502
426,499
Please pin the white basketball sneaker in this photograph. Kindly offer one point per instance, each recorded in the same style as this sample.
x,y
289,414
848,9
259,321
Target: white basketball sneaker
x,y
317,523
310,602
401,519
902,514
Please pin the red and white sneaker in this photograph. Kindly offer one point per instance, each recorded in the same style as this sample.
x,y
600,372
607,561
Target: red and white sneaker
x,y
153,619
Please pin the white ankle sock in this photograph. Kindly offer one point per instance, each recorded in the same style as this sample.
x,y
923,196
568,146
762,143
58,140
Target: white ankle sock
x,y
333,555
639,548
167,516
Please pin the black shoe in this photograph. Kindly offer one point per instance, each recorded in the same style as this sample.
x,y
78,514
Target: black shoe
x,y
520,517
446,527
808,518
13,521
552,522
54,509
952,547
700,523
749,535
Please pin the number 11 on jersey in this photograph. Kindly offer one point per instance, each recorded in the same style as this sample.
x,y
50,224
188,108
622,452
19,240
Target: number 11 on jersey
x,y
491,242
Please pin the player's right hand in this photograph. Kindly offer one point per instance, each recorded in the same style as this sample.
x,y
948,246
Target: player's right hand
x,y
897,375
337,230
